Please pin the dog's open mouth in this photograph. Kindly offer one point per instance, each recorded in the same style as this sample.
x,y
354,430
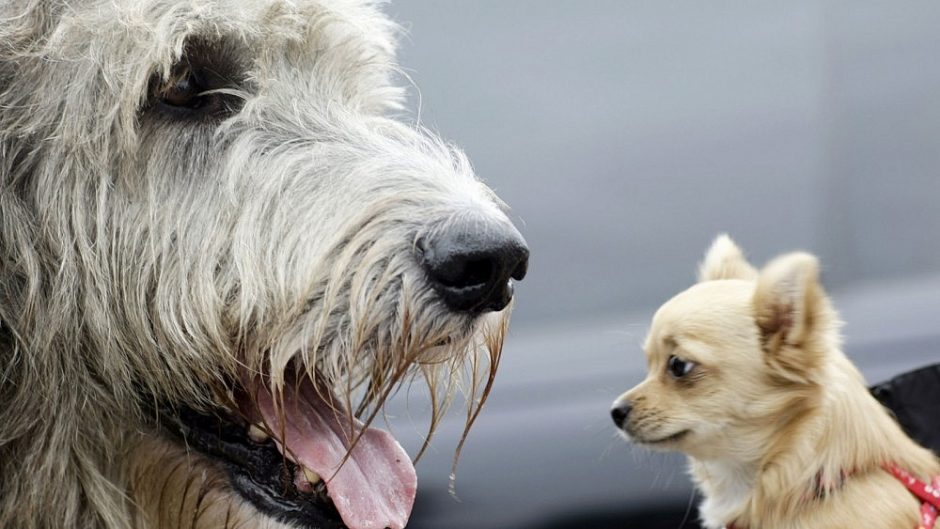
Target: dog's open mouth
x,y
291,458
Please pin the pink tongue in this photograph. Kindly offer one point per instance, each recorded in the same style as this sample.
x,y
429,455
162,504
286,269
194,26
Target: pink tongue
x,y
375,487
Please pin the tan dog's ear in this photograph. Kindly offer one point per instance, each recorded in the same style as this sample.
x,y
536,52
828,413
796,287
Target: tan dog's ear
x,y
724,260
789,305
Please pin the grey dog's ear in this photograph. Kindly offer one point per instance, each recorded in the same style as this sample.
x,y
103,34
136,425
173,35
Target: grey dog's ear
x,y
724,260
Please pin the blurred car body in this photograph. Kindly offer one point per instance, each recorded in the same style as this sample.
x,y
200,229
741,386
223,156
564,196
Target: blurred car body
x,y
625,136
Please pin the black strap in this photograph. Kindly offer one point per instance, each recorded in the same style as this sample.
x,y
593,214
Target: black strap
x,y
914,397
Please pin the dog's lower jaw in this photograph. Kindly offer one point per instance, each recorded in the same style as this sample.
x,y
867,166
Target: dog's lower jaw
x,y
665,441
169,486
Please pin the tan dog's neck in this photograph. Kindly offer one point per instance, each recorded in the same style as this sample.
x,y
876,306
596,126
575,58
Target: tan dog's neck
x,y
727,486
811,459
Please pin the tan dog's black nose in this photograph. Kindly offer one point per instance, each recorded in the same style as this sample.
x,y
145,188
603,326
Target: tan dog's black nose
x,y
471,265
620,412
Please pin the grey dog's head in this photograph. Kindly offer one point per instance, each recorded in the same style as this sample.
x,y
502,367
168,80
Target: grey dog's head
x,y
208,204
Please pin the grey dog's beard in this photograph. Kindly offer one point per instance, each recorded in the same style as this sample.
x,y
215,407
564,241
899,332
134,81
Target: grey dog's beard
x,y
271,472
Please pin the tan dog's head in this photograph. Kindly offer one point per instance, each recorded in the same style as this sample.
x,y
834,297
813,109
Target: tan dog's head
x,y
733,359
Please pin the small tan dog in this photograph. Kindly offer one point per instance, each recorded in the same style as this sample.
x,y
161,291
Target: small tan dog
x,y
747,377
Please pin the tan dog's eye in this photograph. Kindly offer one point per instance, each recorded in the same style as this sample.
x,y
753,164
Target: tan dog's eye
x,y
678,367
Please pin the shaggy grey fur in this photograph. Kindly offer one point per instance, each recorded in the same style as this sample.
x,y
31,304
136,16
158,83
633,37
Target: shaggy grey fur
x,y
147,253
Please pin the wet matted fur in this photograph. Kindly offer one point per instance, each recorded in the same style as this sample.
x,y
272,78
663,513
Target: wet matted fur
x,y
200,200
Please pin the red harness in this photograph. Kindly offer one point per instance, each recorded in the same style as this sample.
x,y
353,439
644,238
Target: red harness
x,y
929,493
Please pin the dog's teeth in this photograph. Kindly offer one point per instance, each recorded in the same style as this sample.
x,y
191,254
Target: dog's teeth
x,y
256,434
309,482
311,476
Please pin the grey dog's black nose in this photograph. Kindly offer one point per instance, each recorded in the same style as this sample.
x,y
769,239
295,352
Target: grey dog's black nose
x,y
470,264
620,412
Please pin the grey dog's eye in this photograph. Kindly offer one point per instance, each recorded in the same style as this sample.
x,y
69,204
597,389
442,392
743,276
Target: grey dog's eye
x,y
194,91
184,90
678,367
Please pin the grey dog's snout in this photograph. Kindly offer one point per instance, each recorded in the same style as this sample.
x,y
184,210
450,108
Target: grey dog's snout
x,y
620,412
470,264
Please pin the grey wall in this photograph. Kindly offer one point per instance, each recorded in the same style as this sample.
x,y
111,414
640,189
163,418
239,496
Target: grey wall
x,y
626,134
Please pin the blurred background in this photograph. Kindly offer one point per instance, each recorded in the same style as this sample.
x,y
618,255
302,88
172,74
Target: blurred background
x,y
625,135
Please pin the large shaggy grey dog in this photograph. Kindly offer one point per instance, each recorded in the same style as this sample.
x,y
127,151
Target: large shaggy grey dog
x,y
219,255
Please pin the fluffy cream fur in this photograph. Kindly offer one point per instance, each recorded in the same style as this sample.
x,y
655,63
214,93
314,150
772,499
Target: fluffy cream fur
x,y
779,427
